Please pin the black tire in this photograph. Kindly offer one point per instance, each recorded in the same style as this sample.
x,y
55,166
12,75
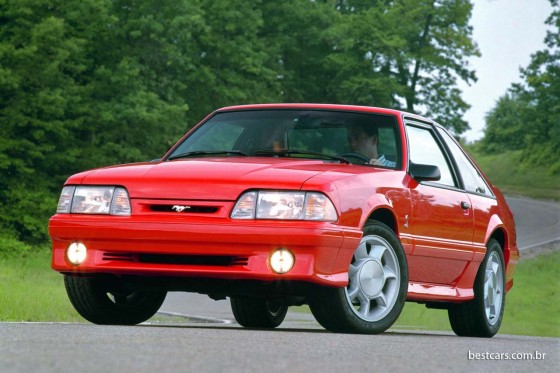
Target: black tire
x,y
104,302
482,316
258,313
378,280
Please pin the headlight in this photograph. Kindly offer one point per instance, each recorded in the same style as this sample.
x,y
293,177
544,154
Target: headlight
x,y
283,205
94,200
65,200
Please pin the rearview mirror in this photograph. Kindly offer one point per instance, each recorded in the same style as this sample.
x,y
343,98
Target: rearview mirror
x,y
424,172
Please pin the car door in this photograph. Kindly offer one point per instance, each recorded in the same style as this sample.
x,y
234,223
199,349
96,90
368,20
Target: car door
x,y
484,204
441,222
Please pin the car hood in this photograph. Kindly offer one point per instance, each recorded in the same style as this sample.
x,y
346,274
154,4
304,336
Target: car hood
x,y
207,178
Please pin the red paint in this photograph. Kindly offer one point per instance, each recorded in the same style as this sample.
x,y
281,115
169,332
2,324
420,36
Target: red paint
x,y
444,243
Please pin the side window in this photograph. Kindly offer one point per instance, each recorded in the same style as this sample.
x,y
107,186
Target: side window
x,y
424,149
472,180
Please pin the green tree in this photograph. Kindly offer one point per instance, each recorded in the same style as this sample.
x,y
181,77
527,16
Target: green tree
x,y
88,83
365,43
403,54
136,102
542,90
232,63
39,107
85,83
409,54
298,35
505,125
528,116
439,45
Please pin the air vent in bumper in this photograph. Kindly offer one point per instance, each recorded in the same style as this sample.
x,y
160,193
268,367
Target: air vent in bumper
x,y
175,259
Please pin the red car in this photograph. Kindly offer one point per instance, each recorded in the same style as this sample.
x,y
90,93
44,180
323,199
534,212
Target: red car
x,y
352,210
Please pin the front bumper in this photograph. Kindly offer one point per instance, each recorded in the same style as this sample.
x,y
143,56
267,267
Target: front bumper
x,y
204,248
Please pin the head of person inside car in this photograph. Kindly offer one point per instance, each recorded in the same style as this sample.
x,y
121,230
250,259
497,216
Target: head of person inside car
x,y
364,139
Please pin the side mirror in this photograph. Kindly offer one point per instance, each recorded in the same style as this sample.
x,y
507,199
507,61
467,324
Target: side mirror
x,y
424,172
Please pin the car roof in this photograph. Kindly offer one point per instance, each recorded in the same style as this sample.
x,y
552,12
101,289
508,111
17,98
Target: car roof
x,y
340,107
369,109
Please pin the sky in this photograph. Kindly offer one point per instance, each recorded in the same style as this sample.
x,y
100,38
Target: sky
x,y
507,32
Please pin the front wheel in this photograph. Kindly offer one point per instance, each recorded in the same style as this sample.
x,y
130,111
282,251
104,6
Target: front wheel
x,y
258,313
106,302
482,316
377,288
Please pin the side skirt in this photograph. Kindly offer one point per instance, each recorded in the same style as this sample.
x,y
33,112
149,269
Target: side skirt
x,y
425,292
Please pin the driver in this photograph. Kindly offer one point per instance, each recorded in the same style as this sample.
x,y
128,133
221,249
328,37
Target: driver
x,y
363,139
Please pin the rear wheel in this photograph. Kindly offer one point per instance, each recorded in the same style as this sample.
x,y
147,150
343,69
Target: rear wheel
x,y
482,316
377,288
103,301
258,313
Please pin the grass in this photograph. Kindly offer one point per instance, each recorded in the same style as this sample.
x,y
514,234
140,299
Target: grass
x,y
504,171
31,291
533,305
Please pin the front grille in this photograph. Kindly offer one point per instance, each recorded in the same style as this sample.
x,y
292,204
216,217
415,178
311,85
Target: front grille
x,y
185,209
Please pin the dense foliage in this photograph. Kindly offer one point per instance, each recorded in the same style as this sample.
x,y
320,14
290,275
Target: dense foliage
x,y
87,83
527,117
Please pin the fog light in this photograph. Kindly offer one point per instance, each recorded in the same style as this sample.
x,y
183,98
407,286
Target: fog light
x,y
281,261
76,253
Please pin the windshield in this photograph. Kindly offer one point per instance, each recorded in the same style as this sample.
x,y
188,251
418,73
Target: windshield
x,y
317,134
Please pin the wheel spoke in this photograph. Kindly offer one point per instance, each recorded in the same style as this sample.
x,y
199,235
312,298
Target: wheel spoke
x,y
495,266
489,281
365,305
388,273
353,292
489,288
354,281
490,313
381,300
361,251
377,252
498,299
353,271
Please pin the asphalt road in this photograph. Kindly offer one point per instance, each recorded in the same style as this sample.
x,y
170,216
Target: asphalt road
x,y
537,222
209,341
293,348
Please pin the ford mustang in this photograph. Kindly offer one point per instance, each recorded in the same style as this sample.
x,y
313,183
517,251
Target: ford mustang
x,y
352,210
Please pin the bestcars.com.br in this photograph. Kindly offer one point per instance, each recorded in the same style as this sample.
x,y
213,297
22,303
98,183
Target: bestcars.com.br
x,y
507,356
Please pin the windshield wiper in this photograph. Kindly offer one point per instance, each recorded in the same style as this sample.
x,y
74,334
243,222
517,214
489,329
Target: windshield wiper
x,y
202,153
288,152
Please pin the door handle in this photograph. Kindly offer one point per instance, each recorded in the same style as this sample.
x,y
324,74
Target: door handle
x,y
465,205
